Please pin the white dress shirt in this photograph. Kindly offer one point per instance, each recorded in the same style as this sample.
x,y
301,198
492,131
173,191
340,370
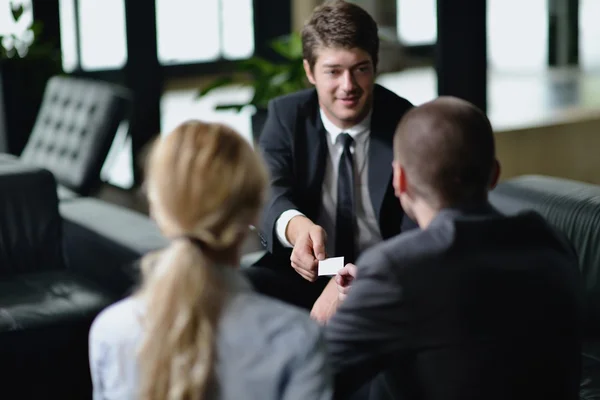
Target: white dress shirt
x,y
368,232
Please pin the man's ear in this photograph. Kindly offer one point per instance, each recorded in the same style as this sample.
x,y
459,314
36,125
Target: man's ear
x,y
495,174
403,180
308,71
398,179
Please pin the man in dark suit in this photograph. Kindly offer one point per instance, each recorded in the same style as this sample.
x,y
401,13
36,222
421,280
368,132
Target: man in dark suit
x,y
475,305
329,152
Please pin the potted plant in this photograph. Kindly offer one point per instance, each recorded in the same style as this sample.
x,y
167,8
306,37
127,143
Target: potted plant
x,y
269,79
26,64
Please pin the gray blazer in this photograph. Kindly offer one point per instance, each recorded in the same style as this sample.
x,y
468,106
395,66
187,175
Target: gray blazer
x,y
266,350
476,306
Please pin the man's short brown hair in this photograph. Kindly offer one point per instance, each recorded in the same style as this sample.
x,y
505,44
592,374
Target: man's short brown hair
x,y
447,149
339,24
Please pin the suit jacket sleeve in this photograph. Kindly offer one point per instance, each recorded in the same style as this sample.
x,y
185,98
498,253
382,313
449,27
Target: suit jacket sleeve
x,y
276,145
370,328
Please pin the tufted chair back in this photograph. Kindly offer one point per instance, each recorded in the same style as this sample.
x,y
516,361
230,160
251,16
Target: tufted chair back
x,y
74,129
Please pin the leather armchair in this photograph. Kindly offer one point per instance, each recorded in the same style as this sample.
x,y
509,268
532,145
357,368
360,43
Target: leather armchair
x,y
59,267
74,130
573,208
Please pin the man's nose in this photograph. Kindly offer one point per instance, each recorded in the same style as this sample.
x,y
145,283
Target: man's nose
x,y
348,81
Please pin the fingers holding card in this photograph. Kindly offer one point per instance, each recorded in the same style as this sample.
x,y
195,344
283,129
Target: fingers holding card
x,y
330,266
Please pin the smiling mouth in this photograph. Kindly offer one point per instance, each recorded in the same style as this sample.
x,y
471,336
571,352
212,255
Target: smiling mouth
x,y
350,103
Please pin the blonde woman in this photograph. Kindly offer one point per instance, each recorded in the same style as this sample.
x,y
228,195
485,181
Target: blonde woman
x,y
195,329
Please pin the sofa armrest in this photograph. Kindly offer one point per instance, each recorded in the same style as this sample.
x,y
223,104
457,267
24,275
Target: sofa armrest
x,y
104,242
30,225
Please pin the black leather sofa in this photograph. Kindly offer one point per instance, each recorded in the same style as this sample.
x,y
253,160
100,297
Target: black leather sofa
x,y
573,208
59,266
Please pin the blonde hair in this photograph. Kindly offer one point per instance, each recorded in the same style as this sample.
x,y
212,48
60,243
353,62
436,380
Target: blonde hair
x,y
205,187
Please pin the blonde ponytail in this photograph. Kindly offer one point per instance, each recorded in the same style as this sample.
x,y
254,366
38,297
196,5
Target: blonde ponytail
x,y
205,183
183,294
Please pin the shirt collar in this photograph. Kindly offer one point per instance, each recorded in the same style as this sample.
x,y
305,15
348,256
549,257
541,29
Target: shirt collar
x,y
358,132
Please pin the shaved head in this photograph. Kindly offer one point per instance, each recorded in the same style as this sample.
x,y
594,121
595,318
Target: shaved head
x,y
446,149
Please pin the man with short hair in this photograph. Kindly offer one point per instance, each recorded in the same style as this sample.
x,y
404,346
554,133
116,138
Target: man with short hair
x,y
475,305
329,151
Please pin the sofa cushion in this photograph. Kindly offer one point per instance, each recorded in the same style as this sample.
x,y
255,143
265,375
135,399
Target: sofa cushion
x,y
104,241
65,193
44,323
32,301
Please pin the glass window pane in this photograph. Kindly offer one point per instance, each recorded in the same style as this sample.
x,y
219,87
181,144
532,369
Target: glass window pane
x,y
417,21
117,168
68,37
178,106
102,34
518,34
238,29
589,31
187,31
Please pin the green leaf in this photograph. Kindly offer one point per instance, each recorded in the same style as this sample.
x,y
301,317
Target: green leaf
x,y
217,83
36,27
288,46
257,67
16,11
268,79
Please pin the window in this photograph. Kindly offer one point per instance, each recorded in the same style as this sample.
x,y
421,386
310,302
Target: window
x,y
589,32
518,35
516,40
68,36
417,22
191,31
100,47
180,105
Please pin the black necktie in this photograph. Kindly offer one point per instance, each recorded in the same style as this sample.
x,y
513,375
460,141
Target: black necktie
x,y
344,224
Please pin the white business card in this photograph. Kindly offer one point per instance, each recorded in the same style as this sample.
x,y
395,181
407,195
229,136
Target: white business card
x,y
331,266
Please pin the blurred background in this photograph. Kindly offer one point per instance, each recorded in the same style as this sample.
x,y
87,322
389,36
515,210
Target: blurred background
x,y
533,65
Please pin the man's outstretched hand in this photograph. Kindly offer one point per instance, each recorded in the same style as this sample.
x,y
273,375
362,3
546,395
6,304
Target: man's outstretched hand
x,y
328,302
344,279
309,246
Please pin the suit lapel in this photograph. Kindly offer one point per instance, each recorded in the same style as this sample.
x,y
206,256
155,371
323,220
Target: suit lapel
x,y
315,147
380,157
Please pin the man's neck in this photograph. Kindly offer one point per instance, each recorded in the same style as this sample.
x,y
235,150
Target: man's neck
x,y
365,121
424,213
